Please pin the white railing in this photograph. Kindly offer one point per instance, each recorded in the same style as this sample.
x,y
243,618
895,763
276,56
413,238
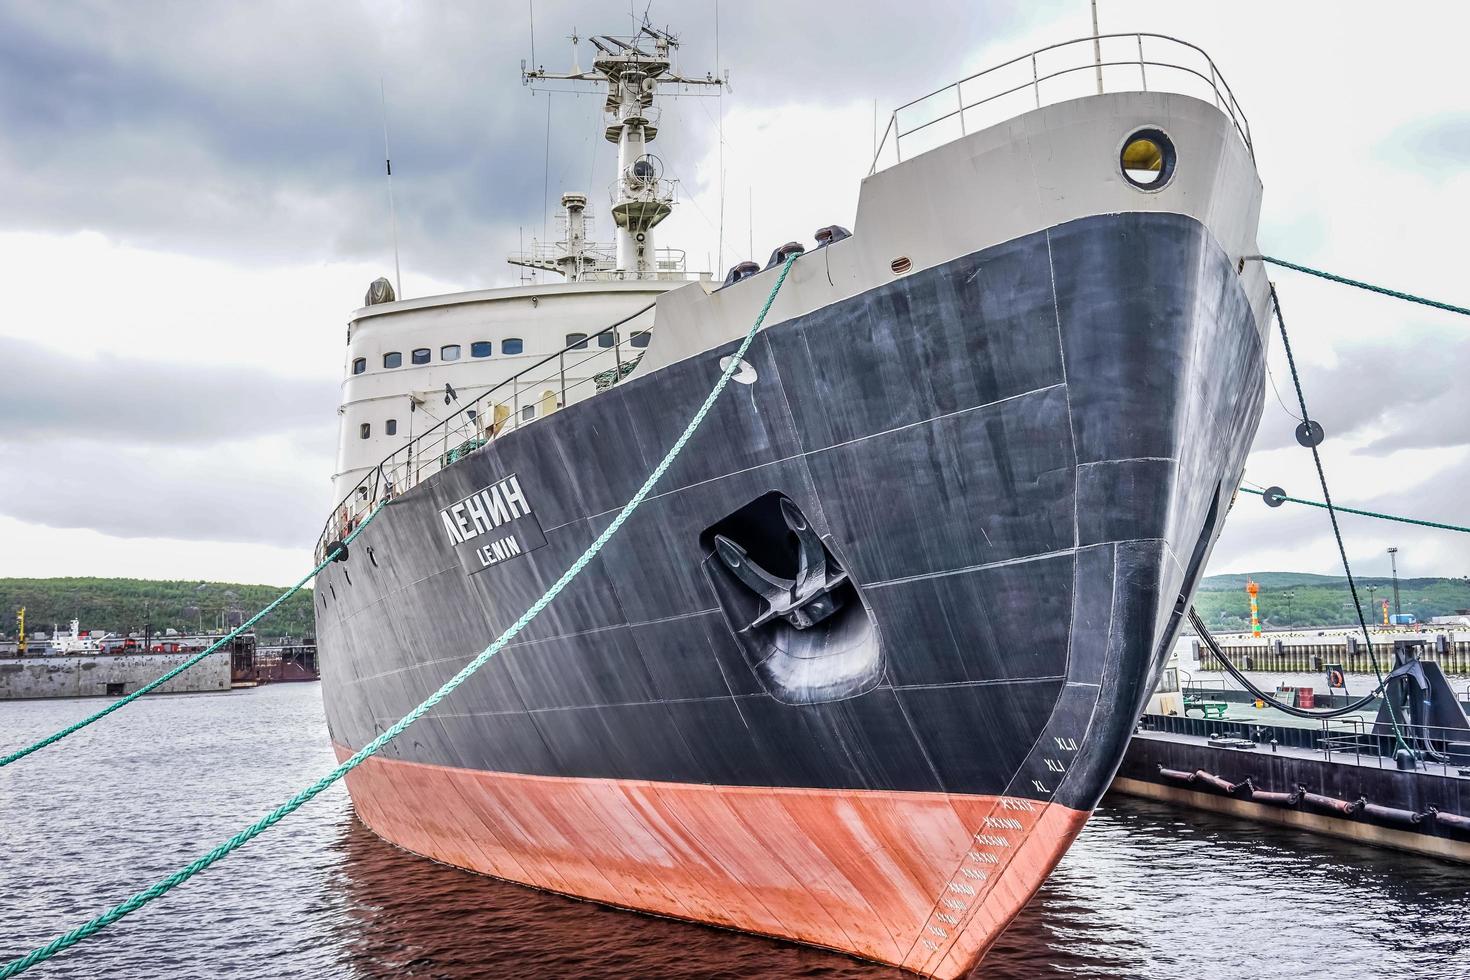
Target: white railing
x,y
1137,62
572,374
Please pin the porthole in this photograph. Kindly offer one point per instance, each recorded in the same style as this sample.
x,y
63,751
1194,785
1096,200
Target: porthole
x,y
1147,159
901,265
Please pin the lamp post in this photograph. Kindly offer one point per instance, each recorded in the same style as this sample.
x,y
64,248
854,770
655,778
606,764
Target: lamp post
x,y
1394,565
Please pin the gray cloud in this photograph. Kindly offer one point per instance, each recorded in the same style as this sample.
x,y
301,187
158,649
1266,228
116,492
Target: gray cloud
x,y
1407,394
164,492
124,401
252,131
1440,143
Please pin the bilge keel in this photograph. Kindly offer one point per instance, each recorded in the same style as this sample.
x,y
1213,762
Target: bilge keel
x,y
858,671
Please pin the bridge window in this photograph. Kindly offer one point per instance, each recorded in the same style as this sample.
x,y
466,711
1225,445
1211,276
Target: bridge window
x,y
577,341
390,427
449,352
364,430
481,348
512,345
359,365
421,356
640,339
393,359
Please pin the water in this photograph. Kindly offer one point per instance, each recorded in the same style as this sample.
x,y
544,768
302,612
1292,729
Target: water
x,y
1148,891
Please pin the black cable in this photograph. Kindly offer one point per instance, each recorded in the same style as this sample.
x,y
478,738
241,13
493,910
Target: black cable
x,y
1196,621
1331,511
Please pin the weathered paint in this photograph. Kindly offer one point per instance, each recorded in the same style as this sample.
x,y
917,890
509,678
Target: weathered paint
x,y
1022,458
867,872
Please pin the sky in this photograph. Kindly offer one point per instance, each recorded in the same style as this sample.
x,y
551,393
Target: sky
x,y
194,202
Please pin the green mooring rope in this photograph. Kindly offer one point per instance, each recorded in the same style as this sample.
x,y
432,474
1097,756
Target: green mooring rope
x,y
1365,513
1382,290
153,685
161,887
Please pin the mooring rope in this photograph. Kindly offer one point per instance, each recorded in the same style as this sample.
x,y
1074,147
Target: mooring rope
x,y
161,887
55,737
1363,513
1381,290
1352,584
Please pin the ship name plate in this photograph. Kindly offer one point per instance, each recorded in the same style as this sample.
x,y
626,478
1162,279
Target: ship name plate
x,y
493,525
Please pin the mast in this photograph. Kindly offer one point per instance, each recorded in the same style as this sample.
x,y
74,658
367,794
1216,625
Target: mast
x,y
632,68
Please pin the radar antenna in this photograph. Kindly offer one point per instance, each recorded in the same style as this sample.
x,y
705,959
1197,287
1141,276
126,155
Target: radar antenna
x,y
633,69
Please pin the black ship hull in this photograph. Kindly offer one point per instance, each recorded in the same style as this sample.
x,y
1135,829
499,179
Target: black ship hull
x,y
1015,463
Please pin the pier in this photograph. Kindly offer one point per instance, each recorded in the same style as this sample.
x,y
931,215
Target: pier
x,y
1305,653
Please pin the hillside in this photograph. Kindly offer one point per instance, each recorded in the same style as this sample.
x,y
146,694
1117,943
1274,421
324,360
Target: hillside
x,y
1300,599
120,604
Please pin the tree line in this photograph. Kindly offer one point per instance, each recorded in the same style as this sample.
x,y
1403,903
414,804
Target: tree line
x,y
120,605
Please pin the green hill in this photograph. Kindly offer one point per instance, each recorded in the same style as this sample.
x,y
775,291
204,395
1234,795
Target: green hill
x,y
122,604
1289,599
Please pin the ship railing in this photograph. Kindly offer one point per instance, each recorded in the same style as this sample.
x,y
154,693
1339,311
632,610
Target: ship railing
x,y
1439,749
1132,62
572,374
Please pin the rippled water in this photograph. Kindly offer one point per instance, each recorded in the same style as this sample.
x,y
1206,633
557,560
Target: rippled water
x,y
1148,890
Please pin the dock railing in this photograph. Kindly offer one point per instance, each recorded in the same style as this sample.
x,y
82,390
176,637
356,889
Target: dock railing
x,y
1136,62
574,373
1363,739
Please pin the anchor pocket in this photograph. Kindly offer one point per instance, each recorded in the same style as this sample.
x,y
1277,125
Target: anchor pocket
x,y
798,616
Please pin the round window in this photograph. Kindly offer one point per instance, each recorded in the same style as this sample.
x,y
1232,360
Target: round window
x,y
1147,159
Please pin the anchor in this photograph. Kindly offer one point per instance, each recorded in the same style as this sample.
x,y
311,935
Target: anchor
x,y
803,601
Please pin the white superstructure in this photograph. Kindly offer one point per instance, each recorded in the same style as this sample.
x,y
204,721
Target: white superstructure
x,y
411,363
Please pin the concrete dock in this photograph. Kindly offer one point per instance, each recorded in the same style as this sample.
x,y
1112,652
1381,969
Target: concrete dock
x,y
109,675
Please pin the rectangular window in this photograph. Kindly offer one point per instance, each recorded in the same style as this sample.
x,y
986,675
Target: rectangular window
x,y
421,356
512,345
364,430
449,352
359,365
528,413
607,339
390,427
577,341
393,359
481,348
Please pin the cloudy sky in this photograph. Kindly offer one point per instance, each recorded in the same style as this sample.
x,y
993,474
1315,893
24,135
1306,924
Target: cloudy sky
x,y
193,202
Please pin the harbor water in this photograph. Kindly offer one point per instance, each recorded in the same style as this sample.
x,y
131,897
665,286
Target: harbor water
x,y
1147,891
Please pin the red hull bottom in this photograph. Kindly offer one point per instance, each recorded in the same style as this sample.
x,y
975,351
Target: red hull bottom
x,y
925,881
